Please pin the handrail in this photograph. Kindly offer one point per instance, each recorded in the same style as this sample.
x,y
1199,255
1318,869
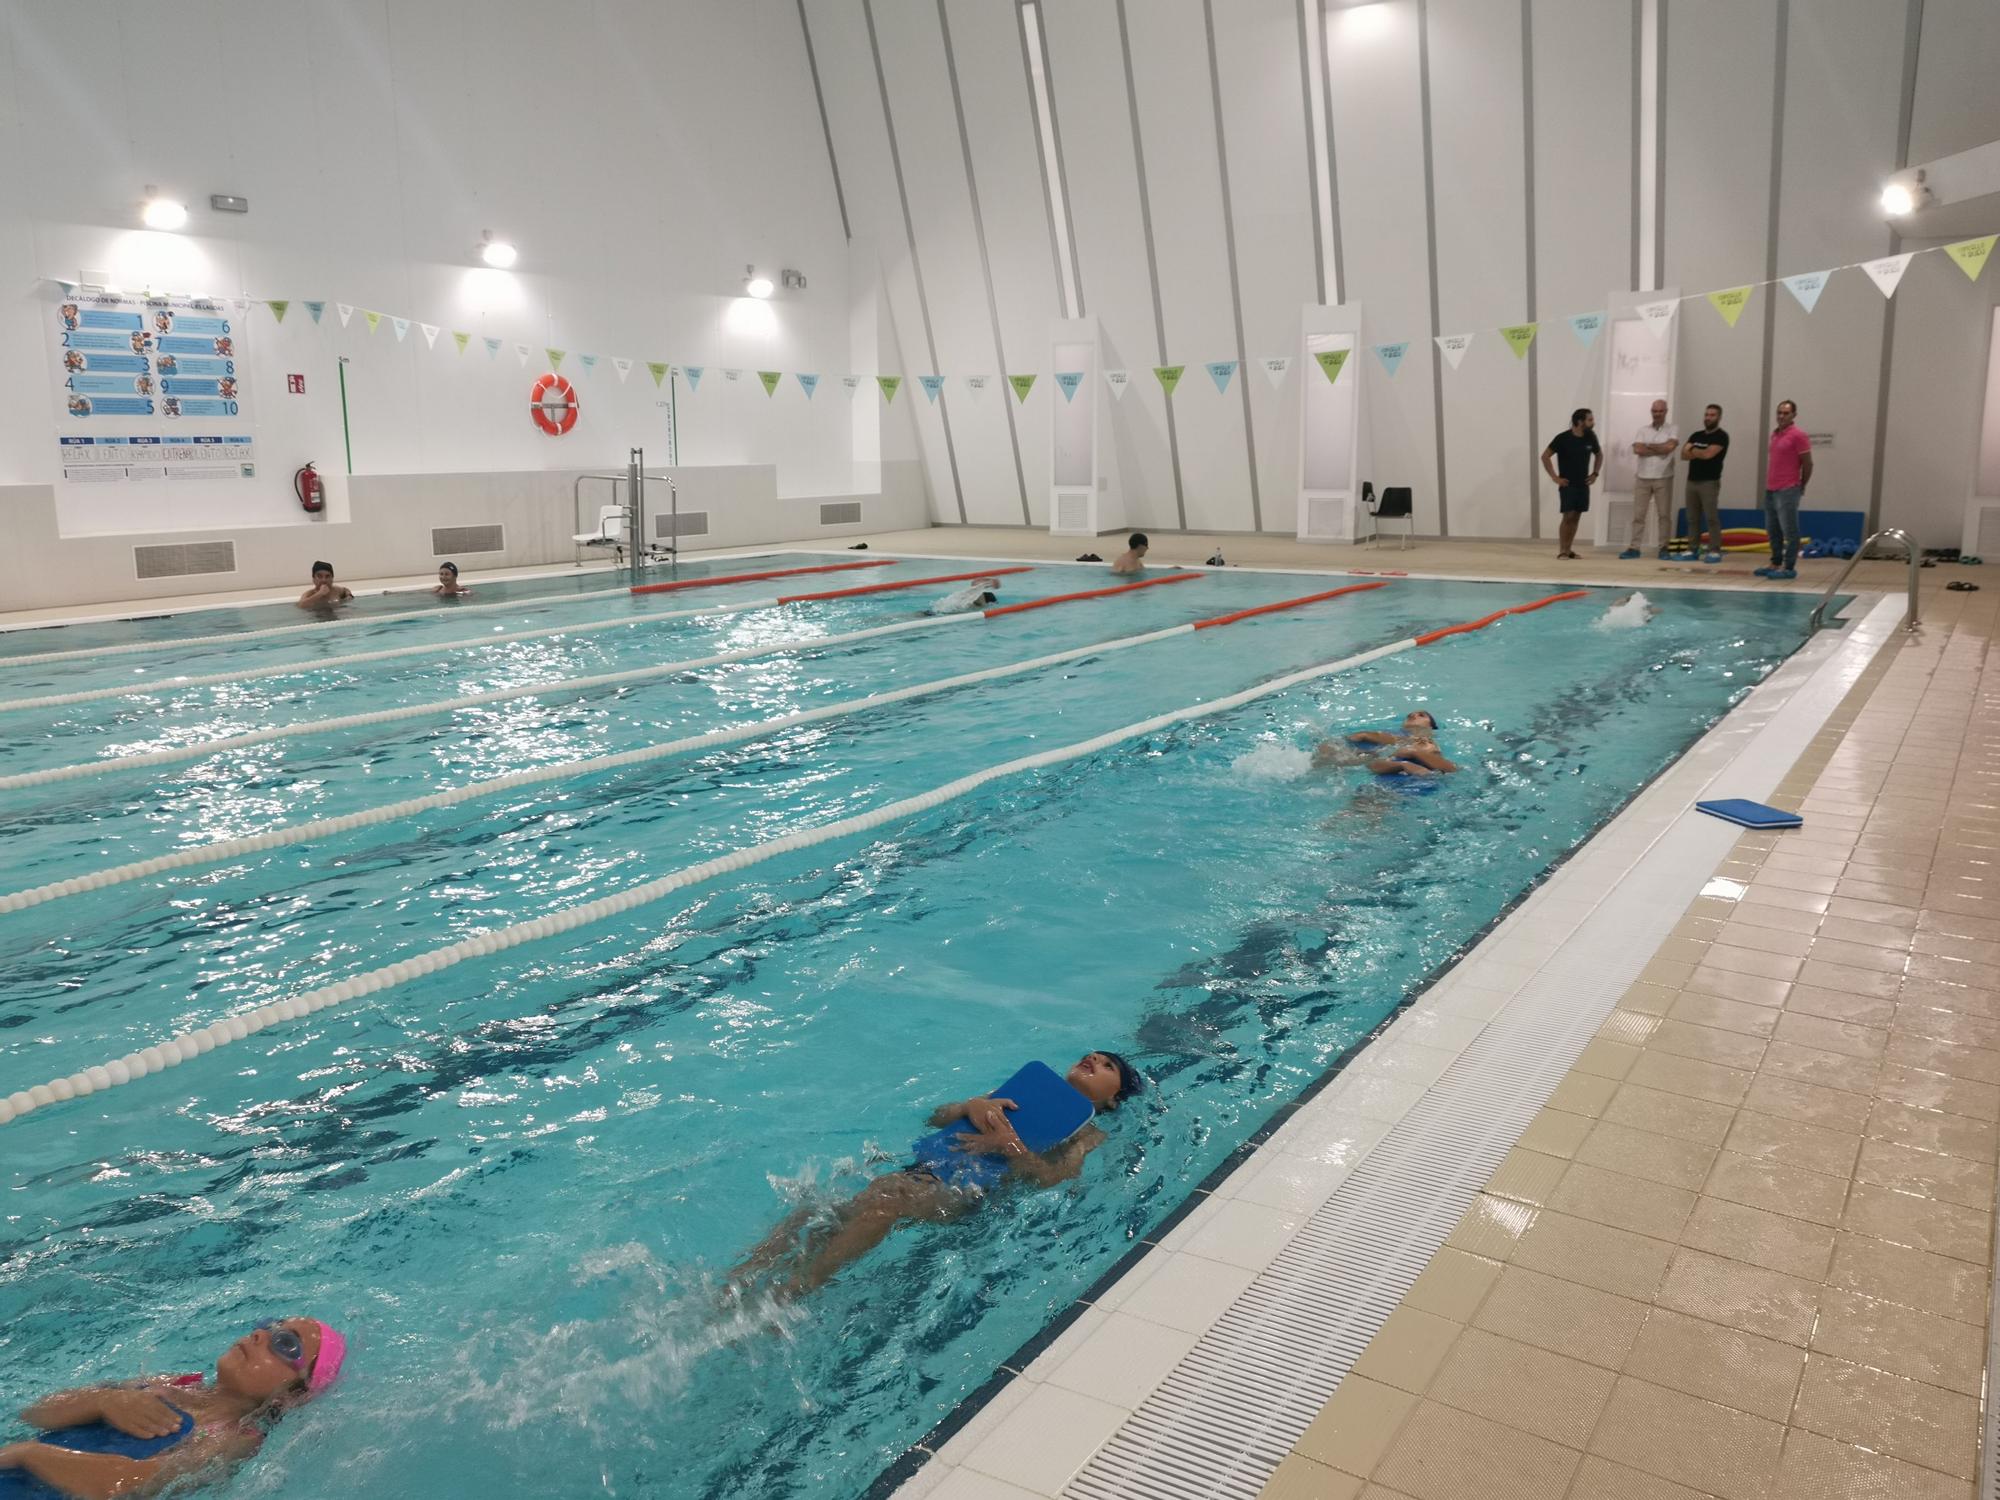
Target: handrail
x,y
1890,534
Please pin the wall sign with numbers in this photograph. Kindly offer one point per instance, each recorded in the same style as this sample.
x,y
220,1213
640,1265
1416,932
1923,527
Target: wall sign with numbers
x,y
150,388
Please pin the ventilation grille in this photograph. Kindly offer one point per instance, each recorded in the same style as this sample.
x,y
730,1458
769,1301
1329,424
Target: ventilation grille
x,y
1988,539
184,559
687,523
1327,518
451,541
848,513
1072,512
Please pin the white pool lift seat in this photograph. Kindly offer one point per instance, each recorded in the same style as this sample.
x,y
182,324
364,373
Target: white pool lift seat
x,y
614,521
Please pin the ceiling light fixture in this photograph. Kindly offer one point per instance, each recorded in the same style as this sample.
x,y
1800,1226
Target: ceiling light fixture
x,y
162,213
756,285
499,254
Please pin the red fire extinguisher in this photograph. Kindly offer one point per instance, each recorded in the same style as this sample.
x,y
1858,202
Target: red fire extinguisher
x,y
306,485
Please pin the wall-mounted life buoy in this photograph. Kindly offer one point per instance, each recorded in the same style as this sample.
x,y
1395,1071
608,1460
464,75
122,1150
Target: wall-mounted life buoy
x,y
554,405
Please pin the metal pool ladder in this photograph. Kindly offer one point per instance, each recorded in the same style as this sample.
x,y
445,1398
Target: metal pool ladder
x,y
1893,534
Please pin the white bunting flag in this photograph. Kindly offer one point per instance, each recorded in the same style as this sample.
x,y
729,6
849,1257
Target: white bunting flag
x,y
1276,368
401,325
622,365
523,351
1807,287
346,311
1118,380
1887,272
1658,316
732,376
850,383
977,384
1454,346
1586,327
430,334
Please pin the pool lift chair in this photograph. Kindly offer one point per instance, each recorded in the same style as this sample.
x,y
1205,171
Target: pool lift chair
x,y
614,524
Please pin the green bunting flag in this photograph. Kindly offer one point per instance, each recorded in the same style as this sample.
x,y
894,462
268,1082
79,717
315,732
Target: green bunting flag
x,y
1519,336
374,319
889,384
659,372
279,306
1169,376
1730,302
1022,385
555,358
1331,361
460,339
1972,255
770,379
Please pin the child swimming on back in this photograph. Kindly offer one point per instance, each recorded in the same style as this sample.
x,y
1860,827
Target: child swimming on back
x,y
1414,752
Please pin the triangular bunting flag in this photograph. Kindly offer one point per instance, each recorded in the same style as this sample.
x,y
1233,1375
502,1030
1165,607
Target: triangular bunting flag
x,y
658,369
1807,286
807,383
316,309
1276,368
68,288
1221,371
521,352
555,357
977,384
694,374
732,376
770,379
1730,302
1391,356
1022,385
1331,361
1119,381
1971,255
278,306
1067,381
588,361
1887,272
1454,346
850,384
1586,327
1519,336
374,320
430,334
1658,316
889,383
460,339
346,311
402,327
492,348
622,365
932,384
1169,376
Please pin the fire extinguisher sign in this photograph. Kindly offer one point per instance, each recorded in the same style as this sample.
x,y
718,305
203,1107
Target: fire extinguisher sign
x,y
296,384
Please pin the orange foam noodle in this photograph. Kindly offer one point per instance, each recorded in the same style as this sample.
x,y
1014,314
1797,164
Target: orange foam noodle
x,y
907,583
709,583
1265,609
1499,614
1123,588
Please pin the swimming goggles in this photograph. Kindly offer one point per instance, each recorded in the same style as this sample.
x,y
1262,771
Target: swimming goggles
x,y
284,1343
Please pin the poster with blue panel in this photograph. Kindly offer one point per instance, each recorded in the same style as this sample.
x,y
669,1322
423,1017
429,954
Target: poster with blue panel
x,y
149,388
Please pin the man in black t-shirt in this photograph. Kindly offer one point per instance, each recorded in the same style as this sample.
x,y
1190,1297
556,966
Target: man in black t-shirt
x,y
1704,453
1573,460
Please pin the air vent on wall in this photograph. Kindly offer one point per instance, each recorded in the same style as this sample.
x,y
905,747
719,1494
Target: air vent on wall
x,y
1328,518
456,541
687,523
184,559
1072,512
840,513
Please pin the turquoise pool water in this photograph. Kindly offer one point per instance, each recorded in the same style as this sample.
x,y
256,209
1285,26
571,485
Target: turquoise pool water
x,y
518,1183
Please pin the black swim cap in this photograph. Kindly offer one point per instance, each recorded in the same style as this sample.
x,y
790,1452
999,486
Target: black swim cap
x,y
1130,1083
448,567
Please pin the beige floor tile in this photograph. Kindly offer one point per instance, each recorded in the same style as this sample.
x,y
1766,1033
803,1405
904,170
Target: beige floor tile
x,y
1561,1317
1815,1065
1790,942
1604,1059
1555,1133
1910,1277
1828,1035
1527,1176
1770,895
1732,1049
1581,1094
1761,962
1931,1130
1758,1237
1923,1223
1453,1285
1600,1479
1407,1349
1301,1478
1757,1182
1976,973
1901,1340
1447,1454
1838,1005
1924,1089
1794,1143
1634,1203
1858,955
1681,950
1975,1063
1818,1468
1752,989
1666,971
1830,1109
1696,1009
1773,919
1686,1075
1791,880
1869,935
1948,945
1712,1448
1842,977
1648,999
1676,1115
1932,1020
1492,1227
1516,1384
1954,1179
1640,1153
1595,1255
1737,1295
1383,1492
1704,1359
1356,1426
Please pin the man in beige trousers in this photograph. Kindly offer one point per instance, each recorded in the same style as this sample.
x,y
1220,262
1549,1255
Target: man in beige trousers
x,y
1653,488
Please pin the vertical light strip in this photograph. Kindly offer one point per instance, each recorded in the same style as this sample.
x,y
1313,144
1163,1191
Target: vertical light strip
x,y
1337,280
1235,286
1152,260
1913,30
1048,146
1528,191
1431,247
910,234
1646,150
826,129
1771,223
985,259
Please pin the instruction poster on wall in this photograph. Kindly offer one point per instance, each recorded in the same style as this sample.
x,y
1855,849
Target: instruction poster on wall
x,y
149,388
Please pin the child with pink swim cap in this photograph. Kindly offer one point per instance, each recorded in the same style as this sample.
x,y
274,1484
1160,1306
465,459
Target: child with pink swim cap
x,y
110,1439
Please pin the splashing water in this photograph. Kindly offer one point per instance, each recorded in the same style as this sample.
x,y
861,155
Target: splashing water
x,y
1629,613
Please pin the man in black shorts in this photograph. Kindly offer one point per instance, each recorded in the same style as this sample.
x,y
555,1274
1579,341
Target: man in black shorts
x,y
1573,459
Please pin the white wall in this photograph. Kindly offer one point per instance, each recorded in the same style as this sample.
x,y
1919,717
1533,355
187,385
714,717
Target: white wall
x,y
638,152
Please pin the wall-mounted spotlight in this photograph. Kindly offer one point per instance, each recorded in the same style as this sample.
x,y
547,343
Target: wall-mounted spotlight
x,y
162,213
1905,194
756,285
499,254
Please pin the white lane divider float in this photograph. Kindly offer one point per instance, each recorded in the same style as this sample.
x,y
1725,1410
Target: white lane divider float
x,y
190,1044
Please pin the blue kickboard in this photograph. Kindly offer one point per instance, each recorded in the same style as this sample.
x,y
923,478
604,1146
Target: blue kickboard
x,y
1750,814
1047,1111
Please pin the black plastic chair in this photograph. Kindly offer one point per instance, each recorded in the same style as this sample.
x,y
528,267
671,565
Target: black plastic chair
x,y
1395,505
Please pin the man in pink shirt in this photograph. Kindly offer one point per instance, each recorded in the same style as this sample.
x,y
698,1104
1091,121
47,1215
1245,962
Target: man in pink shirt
x,y
1785,481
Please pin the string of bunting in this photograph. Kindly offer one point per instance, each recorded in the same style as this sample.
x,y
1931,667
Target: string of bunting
x,y
1886,272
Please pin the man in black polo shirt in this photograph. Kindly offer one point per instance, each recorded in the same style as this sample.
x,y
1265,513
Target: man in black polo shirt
x,y
1573,460
1704,453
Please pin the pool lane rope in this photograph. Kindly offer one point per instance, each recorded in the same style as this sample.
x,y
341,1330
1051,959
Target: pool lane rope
x,y
190,1044
158,686
545,601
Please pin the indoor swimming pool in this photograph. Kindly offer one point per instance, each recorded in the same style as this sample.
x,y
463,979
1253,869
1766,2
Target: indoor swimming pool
x,y
519,1180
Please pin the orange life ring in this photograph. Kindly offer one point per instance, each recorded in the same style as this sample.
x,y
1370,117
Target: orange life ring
x,y
555,414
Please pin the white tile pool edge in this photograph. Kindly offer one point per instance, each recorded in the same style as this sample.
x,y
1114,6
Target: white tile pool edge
x,y
1197,1371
